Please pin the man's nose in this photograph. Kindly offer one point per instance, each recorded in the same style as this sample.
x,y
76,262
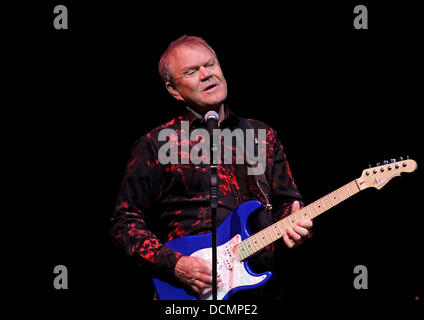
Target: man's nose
x,y
204,74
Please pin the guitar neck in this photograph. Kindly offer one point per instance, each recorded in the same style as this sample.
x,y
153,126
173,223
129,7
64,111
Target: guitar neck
x,y
260,240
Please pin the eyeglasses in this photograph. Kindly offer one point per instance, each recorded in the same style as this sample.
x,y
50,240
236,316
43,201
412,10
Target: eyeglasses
x,y
194,71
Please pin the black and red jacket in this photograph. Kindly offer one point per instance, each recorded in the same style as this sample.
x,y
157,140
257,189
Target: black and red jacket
x,y
158,203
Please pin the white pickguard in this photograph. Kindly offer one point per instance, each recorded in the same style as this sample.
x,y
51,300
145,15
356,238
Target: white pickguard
x,y
229,268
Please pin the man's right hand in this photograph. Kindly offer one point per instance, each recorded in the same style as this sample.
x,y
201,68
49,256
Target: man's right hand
x,y
195,272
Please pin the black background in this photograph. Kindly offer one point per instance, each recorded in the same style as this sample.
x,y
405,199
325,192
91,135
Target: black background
x,y
339,98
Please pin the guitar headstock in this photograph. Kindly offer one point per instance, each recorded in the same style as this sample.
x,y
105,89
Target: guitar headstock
x,y
379,176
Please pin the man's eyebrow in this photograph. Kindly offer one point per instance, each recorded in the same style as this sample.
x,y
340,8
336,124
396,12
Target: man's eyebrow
x,y
189,67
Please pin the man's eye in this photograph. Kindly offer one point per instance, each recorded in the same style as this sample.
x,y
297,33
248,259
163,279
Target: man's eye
x,y
210,64
190,73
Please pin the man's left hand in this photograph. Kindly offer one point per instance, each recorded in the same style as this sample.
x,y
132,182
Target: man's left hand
x,y
301,231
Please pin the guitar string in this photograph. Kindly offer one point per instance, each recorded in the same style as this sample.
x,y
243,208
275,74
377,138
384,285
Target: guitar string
x,y
300,214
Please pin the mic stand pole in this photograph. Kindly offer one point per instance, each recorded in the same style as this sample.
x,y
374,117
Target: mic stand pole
x,y
211,119
214,205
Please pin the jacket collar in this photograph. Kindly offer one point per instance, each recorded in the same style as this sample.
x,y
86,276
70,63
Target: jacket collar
x,y
195,119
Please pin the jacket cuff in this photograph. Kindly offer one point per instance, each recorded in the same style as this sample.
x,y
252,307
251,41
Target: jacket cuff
x,y
165,261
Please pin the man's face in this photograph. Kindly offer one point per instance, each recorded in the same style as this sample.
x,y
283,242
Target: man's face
x,y
198,78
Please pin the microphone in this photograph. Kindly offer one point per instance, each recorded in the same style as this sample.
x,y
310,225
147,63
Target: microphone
x,y
211,119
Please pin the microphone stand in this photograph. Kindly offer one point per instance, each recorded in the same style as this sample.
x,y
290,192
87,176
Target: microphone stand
x,y
212,123
214,202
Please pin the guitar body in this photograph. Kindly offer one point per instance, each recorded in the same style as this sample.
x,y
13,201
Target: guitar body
x,y
235,275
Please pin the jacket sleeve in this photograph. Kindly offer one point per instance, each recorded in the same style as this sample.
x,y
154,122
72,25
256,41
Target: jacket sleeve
x,y
134,215
283,188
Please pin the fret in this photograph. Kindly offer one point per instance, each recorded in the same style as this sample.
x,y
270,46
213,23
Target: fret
x,y
289,222
316,209
276,236
253,243
258,240
348,190
329,196
248,247
261,239
249,244
270,239
307,210
275,233
278,225
285,227
245,249
264,238
277,230
322,203
339,195
242,251
299,216
304,214
319,206
269,234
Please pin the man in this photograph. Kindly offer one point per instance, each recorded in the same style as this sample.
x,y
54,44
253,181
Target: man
x,y
159,202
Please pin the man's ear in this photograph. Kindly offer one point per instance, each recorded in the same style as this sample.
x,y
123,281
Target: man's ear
x,y
173,91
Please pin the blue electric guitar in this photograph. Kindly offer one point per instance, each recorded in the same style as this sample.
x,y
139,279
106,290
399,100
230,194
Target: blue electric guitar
x,y
235,245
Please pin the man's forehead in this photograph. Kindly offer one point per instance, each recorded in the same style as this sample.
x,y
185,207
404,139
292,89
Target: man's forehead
x,y
190,53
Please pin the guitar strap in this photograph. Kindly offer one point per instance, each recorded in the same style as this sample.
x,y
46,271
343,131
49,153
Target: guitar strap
x,y
262,261
260,179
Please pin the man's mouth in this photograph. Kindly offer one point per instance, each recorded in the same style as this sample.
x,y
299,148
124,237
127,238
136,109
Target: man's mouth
x,y
211,86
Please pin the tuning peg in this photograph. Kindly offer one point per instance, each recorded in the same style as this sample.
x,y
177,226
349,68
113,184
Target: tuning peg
x,y
377,164
385,162
407,157
392,160
400,158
